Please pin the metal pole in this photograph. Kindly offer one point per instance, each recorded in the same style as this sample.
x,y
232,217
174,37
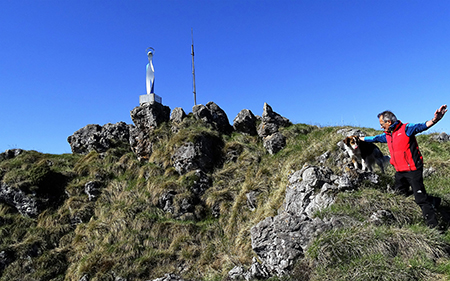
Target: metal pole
x,y
193,67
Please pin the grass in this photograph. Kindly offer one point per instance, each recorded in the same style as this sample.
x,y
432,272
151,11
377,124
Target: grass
x,y
125,234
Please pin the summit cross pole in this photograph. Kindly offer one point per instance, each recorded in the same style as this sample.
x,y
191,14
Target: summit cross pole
x,y
193,67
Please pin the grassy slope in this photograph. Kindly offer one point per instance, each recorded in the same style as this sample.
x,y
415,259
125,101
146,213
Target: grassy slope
x,y
124,234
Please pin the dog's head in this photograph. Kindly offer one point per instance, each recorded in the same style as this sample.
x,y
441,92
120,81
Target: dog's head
x,y
352,142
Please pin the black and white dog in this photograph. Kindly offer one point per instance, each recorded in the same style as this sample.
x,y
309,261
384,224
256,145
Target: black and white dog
x,y
365,153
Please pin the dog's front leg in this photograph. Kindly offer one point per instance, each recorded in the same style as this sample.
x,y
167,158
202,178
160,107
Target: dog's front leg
x,y
364,165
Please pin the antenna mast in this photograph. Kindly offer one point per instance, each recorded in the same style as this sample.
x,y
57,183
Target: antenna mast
x,y
193,67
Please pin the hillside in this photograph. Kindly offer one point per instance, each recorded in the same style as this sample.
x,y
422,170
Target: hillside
x,y
185,194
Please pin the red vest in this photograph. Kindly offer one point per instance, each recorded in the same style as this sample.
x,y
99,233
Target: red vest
x,y
405,154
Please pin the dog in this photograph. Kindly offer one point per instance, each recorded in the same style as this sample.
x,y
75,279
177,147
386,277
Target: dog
x,y
365,153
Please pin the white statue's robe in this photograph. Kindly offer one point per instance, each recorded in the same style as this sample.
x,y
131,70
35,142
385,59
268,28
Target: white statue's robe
x,y
150,78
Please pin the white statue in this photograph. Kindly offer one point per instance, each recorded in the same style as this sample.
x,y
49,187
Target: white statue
x,y
150,78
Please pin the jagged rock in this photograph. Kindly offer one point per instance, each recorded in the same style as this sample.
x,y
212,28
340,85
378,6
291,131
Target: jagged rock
x,y
313,193
10,153
149,116
177,115
245,122
98,138
274,142
279,241
84,278
193,156
271,122
146,118
169,277
237,273
93,189
256,271
442,137
212,114
140,144
346,132
25,204
165,202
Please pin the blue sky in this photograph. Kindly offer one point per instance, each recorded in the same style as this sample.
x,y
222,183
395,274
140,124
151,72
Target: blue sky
x,y
66,64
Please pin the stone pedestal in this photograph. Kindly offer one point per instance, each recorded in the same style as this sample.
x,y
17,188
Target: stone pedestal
x,y
149,99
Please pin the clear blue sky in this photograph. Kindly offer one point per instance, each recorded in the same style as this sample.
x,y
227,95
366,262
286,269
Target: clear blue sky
x,y
66,64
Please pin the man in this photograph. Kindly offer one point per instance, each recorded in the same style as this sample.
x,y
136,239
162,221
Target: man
x,y
407,159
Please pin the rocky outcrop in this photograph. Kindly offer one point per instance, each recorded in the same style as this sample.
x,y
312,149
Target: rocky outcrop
x,y
245,122
98,138
93,189
201,154
274,142
10,153
212,114
442,137
146,118
280,241
26,204
271,121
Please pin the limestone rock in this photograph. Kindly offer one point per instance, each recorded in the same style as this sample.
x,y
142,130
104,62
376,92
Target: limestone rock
x,y
212,114
146,118
245,122
93,189
177,115
274,142
149,116
271,122
192,156
25,204
442,137
98,138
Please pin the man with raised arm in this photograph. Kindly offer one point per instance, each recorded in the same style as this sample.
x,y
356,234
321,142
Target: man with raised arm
x,y
407,159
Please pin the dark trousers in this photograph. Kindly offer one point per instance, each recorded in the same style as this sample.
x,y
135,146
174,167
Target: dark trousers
x,y
414,179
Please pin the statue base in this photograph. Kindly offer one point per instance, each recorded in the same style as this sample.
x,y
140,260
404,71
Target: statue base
x,y
149,99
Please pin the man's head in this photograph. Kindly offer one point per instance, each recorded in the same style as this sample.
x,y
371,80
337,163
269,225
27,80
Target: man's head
x,y
387,118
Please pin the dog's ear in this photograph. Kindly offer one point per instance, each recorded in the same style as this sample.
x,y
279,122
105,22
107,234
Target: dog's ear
x,y
346,140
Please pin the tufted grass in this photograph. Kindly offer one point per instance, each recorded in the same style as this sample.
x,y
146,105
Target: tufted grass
x,y
124,233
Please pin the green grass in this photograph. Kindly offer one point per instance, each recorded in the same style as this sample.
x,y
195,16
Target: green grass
x,y
124,233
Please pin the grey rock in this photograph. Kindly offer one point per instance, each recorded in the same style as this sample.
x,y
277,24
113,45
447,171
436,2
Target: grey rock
x,y
98,138
93,189
165,202
146,119
281,240
274,142
212,114
11,153
245,122
149,116
442,137
237,273
177,115
25,204
169,277
192,156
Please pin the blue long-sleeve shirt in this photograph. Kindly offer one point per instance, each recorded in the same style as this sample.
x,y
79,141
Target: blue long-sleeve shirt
x,y
410,128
